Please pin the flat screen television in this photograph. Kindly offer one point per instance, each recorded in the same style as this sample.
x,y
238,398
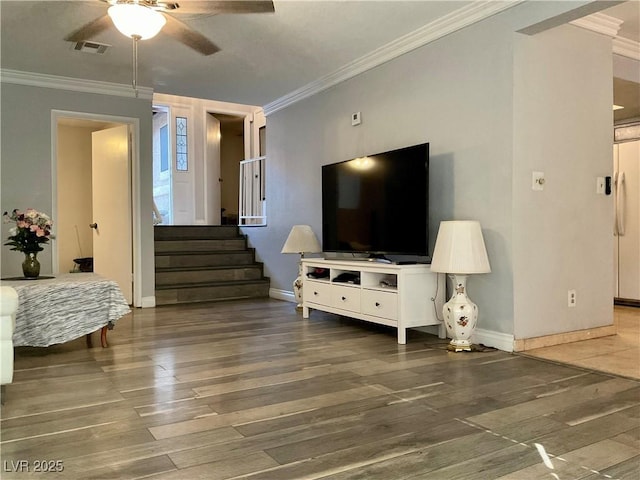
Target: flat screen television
x,y
377,205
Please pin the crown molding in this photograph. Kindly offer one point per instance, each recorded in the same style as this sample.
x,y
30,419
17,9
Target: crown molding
x,y
626,48
456,20
600,23
42,80
610,26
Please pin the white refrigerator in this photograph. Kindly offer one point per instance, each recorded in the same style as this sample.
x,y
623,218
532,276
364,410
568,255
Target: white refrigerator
x,y
626,197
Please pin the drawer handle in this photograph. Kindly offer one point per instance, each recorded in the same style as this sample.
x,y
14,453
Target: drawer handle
x,y
315,293
344,298
377,304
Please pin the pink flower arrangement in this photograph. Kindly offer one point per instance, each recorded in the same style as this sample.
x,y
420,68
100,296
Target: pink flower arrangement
x,y
32,229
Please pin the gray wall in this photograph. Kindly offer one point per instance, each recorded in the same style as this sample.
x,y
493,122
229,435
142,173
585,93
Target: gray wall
x,y
458,94
563,127
470,95
26,159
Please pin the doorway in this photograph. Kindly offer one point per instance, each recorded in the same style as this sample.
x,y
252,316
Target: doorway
x,y
174,171
76,187
162,167
200,193
232,148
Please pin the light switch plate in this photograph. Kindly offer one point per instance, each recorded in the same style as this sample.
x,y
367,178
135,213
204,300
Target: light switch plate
x,y
355,119
537,181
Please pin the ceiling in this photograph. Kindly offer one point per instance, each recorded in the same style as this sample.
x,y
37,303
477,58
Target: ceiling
x,y
263,57
629,13
626,93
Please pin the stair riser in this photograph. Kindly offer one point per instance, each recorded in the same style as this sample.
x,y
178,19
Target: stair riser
x,y
200,276
193,231
200,245
208,294
204,260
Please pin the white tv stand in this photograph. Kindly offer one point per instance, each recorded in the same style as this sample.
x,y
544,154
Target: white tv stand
x,y
401,296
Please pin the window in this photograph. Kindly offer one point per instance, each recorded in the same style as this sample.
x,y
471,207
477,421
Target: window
x,y
182,154
164,148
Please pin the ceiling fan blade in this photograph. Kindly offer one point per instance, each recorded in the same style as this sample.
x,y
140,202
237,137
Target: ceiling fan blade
x,y
222,6
90,30
182,33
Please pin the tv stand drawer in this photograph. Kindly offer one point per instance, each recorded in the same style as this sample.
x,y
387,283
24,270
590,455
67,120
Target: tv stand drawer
x,y
345,298
317,292
380,304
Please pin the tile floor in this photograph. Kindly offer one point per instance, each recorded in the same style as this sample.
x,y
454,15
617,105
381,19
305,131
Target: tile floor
x,y
618,354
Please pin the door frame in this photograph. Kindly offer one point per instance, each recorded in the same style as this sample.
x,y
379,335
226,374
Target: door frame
x,y
212,187
247,139
134,128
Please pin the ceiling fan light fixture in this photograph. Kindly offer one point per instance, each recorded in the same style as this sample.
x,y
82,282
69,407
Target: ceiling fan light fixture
x,y
134,20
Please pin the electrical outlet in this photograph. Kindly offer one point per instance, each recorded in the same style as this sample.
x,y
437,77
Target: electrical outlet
x,y
571,298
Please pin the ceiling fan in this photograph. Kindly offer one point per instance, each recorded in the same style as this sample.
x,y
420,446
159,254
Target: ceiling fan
x,y
145,18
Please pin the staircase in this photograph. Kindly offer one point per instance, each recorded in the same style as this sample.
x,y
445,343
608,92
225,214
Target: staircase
x,y
203,263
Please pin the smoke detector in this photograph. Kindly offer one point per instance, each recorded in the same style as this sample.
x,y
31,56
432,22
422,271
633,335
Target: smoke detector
x,y
90,47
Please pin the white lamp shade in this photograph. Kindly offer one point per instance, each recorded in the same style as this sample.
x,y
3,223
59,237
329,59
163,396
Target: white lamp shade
x,y
301,239
460,249
132,19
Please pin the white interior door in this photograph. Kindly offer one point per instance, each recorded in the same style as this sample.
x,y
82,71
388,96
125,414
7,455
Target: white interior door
x,y
182,178
111,193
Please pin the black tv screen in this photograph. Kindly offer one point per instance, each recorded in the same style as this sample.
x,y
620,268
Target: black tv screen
x,y
377,204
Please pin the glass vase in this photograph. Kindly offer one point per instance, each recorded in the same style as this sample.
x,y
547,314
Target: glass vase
x,y
31,265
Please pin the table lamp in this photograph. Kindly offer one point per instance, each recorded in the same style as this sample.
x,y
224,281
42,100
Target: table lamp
x,y
460,251
301,240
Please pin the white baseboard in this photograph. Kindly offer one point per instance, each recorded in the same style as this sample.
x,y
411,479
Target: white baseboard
x,y
501,341
489,338
285,295
148,302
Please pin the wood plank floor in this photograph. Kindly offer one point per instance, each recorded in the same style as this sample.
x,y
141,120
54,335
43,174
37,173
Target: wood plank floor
x,y
249,389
